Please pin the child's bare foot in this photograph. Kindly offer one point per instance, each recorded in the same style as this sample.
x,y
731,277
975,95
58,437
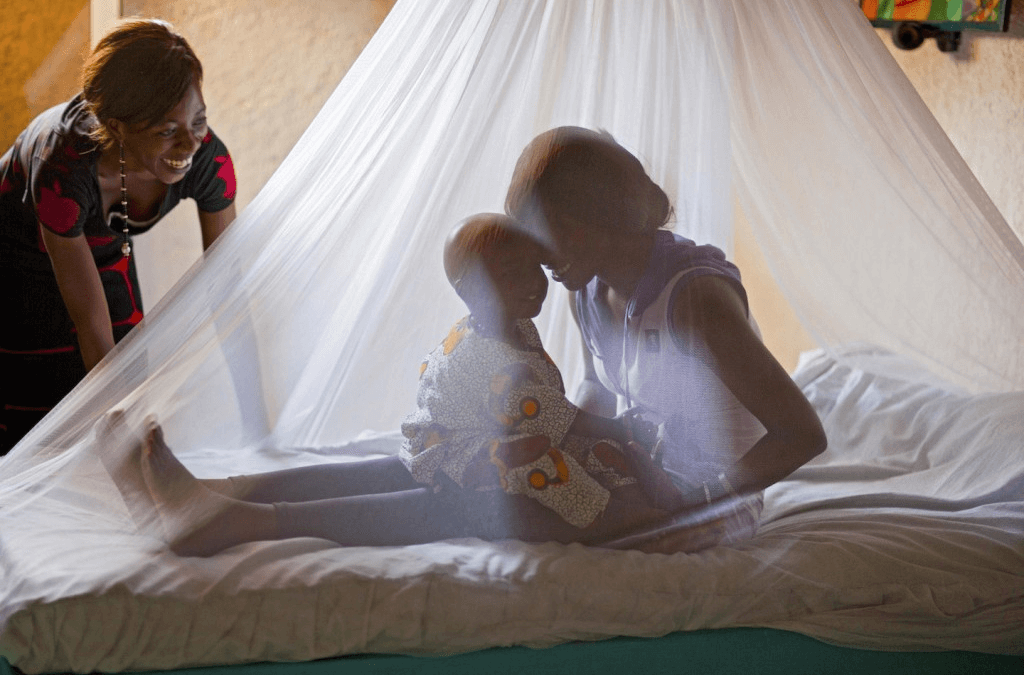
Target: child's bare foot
x,y
197,521
120,451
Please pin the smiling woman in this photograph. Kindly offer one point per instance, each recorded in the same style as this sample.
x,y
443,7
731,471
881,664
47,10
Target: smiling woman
x,y
80,180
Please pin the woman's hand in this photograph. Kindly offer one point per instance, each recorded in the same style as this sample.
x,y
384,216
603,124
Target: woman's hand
x,y
82,290
658,489
639,431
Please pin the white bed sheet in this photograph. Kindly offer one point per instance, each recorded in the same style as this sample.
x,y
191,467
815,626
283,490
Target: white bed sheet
x,y
907,534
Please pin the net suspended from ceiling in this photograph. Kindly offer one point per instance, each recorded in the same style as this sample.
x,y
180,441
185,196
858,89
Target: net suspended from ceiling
x,y
305,324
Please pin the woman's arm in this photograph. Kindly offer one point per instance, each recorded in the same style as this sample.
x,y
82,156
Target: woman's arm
x,y
709,316
591,395
82,290
213,223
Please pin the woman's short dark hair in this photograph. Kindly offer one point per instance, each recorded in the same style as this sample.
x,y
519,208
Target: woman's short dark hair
x,y
589,174
137,73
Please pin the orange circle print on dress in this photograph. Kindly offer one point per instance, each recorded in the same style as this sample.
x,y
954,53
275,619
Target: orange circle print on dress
x,y
538,479
529,407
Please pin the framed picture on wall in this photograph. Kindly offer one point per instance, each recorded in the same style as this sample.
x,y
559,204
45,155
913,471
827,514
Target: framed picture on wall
x,y
948,15
912,21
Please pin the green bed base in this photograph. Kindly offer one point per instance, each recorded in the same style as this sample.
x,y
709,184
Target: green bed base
x,y
746,651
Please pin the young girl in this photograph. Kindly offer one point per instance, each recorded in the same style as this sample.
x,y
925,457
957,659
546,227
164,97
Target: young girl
x,y
494,451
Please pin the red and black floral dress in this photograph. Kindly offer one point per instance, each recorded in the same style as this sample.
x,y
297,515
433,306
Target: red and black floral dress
x,y
48,179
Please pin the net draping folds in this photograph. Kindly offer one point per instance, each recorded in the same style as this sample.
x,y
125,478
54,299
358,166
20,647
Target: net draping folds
x,y
306,323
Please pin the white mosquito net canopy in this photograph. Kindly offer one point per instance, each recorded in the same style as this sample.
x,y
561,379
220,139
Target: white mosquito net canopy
x,y
306,323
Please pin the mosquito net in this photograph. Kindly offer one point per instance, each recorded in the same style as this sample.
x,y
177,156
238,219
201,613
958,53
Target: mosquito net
x,y
305,324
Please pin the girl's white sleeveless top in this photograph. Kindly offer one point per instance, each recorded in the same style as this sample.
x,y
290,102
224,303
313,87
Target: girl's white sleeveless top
x,y
706,429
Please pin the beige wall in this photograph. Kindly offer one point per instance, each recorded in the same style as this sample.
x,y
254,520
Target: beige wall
x,y
977,95
270,65
268,68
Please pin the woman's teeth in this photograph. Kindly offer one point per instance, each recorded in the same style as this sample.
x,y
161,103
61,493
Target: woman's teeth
x,y
560,272
178,165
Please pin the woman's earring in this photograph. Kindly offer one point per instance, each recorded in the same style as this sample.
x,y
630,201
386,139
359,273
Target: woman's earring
x,y
126,247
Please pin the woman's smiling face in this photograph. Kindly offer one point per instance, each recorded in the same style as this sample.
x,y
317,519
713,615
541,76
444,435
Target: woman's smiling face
x,y
576,258
164,150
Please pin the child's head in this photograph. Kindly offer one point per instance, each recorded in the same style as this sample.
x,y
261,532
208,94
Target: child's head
x,y
495,268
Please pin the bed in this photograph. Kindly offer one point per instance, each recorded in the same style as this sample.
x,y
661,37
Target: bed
x,y
900,548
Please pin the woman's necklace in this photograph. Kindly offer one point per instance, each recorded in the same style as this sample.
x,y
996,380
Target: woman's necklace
x,y
126,246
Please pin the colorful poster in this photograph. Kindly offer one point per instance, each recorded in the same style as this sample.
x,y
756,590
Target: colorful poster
x,y
945,14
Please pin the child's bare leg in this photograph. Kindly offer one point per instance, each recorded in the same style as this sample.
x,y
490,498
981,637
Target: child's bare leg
x,y
196,520
120,449
225,486
388,519
319,481
201,522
